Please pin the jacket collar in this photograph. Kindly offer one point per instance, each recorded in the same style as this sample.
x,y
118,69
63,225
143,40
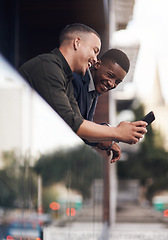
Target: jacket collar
x,y
64,64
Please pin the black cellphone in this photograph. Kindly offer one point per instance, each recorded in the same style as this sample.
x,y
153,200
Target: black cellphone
x,y
149,118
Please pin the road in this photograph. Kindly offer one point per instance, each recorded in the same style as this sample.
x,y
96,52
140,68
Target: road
x,y
128,231
133,223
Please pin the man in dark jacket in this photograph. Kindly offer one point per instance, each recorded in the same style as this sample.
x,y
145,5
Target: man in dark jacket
x,y
103,76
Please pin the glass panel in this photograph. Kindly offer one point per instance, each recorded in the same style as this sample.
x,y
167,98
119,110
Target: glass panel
x,y
50,181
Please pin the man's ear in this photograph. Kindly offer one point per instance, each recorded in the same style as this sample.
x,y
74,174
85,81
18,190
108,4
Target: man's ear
x,y
97,64
76,43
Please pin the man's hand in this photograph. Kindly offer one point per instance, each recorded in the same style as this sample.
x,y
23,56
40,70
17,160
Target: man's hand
x,y
116,153
110,147
131,132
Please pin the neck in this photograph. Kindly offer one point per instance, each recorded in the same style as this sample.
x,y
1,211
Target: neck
x,y
68,55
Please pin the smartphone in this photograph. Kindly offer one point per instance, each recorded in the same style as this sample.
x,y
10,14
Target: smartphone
x,y
149,118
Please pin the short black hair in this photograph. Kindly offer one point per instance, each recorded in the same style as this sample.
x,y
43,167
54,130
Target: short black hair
x,y
116,56
75,27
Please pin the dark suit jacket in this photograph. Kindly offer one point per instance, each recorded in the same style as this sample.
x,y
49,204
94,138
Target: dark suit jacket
x,y
86,100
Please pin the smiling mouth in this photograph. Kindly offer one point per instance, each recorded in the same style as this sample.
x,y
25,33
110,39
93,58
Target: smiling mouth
x,y
104,87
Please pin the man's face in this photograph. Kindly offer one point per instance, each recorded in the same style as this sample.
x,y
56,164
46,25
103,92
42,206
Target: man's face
x,y
107,77
87,51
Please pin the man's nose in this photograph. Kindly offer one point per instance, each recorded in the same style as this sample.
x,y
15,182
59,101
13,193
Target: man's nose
x,y
95,59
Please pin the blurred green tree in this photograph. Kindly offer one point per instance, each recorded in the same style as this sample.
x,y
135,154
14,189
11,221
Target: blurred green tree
x,y
149,164
76,167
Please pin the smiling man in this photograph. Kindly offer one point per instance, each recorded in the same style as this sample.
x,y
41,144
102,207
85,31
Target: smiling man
x,y
103,76
51,76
